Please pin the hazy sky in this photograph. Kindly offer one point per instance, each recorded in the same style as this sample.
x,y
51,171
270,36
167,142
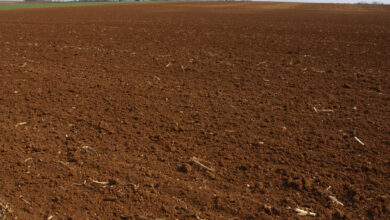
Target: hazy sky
x,y
315,1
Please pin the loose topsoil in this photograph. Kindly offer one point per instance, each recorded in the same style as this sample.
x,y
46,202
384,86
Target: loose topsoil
x,y
195,111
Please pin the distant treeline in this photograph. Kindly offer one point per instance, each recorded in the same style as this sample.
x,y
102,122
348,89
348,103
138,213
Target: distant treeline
x,y
371,3
119,0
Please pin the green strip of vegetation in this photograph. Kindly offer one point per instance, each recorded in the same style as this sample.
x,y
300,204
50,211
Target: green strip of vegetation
x,y
6,6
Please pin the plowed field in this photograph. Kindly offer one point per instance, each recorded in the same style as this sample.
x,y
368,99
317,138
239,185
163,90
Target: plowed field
x,y
195,111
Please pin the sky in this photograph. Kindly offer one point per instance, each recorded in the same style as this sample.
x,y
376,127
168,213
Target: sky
x,y
312,1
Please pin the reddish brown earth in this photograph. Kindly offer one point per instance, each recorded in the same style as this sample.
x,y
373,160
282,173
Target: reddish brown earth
x,y
195,110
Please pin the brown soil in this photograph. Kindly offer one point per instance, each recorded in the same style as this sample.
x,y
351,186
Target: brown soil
x,y
195,110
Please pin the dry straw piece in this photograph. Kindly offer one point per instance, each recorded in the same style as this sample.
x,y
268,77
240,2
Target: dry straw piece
x,y
20,124
4,209
334,200
358,140
197,162
304,212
